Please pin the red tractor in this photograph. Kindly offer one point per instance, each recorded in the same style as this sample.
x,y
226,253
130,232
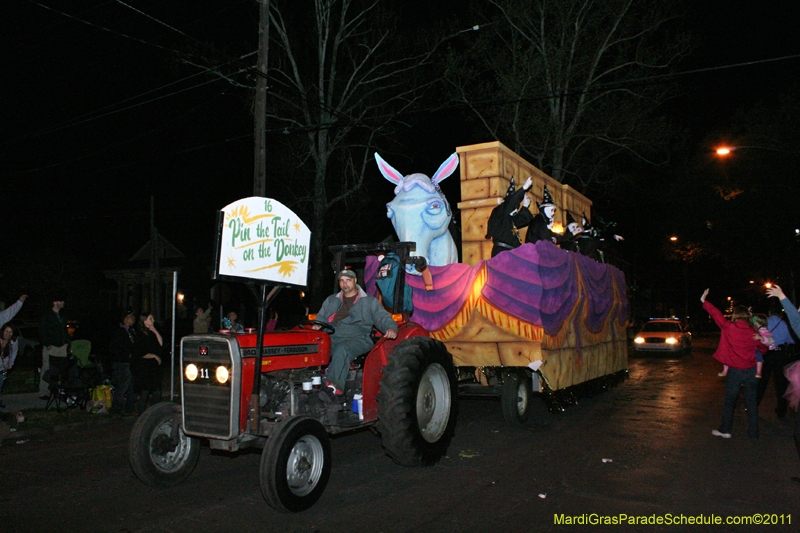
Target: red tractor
x,y
406,388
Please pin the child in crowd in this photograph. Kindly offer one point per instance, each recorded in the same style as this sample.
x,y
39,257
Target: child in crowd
x,y
231,323
760,322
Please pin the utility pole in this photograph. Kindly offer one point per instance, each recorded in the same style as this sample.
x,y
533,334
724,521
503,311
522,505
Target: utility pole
x,y
155,266
260,166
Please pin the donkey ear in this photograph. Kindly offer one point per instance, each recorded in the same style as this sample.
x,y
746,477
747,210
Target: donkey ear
x,y
447,168
388,172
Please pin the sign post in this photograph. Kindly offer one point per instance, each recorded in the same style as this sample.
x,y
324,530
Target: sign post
x,y
261,242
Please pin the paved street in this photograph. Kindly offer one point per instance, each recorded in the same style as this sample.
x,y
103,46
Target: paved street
x,y
641,449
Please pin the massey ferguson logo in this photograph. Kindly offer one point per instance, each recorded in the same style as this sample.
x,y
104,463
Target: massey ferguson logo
x,y
270,351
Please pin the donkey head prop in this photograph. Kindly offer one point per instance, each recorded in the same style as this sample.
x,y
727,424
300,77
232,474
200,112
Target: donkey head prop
x,y
420,213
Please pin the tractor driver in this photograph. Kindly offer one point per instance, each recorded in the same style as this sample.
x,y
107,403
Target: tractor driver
x,y
353,313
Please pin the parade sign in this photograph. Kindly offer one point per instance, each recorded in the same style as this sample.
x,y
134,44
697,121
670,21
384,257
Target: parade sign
x,y
262,239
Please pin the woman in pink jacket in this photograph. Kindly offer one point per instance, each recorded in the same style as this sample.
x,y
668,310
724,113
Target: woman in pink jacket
x,y
737,349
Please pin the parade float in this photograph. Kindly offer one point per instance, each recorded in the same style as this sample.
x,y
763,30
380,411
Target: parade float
x,y
532,319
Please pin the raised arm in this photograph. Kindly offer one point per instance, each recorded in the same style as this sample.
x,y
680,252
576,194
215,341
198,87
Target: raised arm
x,y
791,311
12,310
713,311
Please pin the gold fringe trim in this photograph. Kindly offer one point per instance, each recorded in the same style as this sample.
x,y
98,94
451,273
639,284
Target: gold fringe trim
x,y
500,318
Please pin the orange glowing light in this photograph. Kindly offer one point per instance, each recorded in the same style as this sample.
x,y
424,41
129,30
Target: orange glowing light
x,y
723,150
558,228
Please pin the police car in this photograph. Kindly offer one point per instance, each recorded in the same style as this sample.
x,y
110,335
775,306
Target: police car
x,y
663,335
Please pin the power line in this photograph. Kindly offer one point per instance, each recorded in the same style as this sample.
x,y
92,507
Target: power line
x,y
49,28
153,19
129,141
347,123
103,28
532,98
92,115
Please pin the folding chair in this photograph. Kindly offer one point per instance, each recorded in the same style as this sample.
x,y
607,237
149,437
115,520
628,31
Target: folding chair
x,y
67,390
91,373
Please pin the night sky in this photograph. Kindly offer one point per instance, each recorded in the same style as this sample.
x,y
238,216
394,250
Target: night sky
x,y
97,116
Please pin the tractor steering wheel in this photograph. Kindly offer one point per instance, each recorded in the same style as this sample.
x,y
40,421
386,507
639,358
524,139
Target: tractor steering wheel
x,y
325,327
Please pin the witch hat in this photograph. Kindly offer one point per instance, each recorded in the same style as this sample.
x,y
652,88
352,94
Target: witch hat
x,y
588,229
547,199
511,188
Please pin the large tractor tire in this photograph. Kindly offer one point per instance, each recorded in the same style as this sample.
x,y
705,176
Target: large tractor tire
x,y
417,402
160,453
516,397
295,465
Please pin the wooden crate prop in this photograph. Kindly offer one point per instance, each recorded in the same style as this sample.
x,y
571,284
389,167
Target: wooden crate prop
x,y
486,172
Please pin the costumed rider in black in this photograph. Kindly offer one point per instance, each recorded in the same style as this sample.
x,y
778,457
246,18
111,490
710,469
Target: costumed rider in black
x,y
508,217
541,228
590,243
569,240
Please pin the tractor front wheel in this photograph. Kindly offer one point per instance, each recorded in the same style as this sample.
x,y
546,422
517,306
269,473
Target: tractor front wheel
x,y
160,453
295,464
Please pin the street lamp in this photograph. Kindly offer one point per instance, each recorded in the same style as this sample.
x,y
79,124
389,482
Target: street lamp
x,y
685,269
727,150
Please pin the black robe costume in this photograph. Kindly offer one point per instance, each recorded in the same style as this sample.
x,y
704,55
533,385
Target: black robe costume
x,y
592,246
569,242
538,231
505,221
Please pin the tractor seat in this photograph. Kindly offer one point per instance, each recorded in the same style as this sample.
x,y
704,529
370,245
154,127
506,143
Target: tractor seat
x,y
358,362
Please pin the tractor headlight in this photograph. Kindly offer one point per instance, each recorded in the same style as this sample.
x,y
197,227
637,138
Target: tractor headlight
x,y
222,374
191,372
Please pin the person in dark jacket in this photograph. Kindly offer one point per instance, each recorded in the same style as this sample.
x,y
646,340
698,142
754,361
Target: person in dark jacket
x,y
793,316
122,343
146,363
737,349
780,355
54,338
507,218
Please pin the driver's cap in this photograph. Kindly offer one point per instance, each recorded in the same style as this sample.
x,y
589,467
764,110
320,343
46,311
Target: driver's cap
x,y
347,273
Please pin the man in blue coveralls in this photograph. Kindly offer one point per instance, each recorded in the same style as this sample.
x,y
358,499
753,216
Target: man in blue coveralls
x,y
353,313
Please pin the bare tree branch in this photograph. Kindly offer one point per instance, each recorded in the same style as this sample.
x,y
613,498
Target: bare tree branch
x,y
563,85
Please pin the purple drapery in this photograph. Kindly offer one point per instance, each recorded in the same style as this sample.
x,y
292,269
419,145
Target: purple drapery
x,y
537,283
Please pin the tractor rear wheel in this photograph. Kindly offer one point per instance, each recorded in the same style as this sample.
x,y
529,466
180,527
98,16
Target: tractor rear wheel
x,y
417,402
